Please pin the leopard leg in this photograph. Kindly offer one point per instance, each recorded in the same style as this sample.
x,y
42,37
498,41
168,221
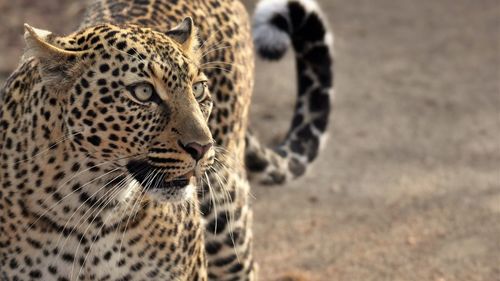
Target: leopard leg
x,y
228,226
224,200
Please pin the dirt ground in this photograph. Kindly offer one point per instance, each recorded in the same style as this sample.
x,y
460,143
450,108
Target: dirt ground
x,y
408,186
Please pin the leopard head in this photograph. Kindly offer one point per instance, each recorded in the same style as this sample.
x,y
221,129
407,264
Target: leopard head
x,y
132,97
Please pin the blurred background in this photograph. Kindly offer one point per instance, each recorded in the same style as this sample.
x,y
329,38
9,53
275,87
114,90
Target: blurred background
x,y
408,185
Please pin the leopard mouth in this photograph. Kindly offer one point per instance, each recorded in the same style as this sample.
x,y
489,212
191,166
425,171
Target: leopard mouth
x,y
151,177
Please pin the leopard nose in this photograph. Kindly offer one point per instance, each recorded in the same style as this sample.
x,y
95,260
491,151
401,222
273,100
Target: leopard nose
x,y
196,150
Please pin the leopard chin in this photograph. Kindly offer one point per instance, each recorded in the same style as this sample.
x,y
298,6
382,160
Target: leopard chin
x,y
173,195
158,185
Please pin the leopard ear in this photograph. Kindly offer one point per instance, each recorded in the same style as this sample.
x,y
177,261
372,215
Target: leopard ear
x,y
42,44
57,64
185,34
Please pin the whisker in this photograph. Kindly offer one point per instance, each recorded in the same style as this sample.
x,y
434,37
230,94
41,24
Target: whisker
x,y
214,203
137,202
118,187
222,182
220,63
214,50
67,181
113,192
130,178
81,205
217,31
224,69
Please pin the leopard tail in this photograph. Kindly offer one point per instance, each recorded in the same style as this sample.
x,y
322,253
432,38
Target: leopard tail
x,y
277,25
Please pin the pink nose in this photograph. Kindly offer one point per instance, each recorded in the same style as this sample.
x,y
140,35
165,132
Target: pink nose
x,y
196,150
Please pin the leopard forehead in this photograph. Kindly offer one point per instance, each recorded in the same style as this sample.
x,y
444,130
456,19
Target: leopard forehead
x,y
144,51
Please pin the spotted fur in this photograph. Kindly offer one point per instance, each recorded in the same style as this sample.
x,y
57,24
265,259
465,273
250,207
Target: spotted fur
x,y
77,200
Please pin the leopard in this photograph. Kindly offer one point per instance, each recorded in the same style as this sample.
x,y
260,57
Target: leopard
x,y
125,145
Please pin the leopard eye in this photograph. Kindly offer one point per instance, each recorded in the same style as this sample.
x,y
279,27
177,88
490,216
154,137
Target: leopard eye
x,y
143,92
199,89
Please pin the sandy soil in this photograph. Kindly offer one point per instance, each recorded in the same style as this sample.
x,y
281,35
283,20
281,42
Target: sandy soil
x,y
408,186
